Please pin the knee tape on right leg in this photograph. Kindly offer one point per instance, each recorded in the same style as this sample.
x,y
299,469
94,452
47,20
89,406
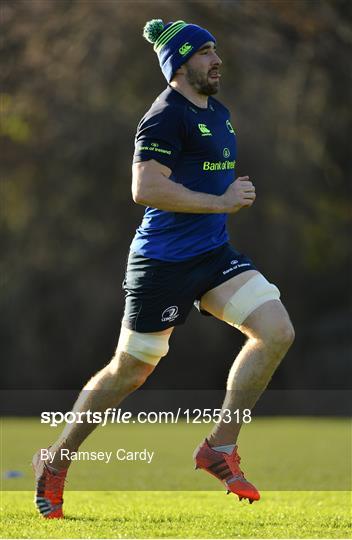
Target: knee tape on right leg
x,y
149,348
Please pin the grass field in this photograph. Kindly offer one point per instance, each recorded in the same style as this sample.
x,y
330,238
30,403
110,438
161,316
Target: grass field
x,y
182,515
281,455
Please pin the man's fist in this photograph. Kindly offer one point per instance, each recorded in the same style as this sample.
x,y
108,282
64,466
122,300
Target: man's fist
x,y
239,194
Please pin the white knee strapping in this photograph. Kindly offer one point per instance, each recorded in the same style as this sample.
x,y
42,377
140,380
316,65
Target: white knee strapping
x,y
148,348
251,295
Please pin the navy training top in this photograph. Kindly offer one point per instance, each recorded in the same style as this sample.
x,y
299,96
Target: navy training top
x,y
199,146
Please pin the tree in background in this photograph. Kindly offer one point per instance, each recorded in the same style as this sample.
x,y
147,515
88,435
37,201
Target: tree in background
x,y
76,78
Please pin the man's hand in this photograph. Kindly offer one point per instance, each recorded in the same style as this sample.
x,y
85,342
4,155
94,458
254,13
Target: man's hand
x,y
239,194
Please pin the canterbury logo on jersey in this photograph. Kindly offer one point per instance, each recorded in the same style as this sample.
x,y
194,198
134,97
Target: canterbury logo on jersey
x,y
204,130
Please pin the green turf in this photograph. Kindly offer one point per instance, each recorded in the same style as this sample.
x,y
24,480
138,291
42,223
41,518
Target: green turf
x,y
182,515
280,455
275,452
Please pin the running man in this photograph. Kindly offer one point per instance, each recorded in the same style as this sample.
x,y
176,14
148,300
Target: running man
x,y
184,173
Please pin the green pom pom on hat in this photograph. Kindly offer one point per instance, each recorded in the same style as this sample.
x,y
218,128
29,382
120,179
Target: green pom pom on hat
x,y
153,29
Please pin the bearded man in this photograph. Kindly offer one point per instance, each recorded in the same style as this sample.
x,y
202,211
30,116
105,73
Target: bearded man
x,y
184,174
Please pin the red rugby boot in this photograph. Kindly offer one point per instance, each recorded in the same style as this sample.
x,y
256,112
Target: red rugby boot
x,y
225,467
49,489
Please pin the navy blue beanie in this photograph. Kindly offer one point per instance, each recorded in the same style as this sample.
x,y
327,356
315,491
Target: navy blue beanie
x,y
175,43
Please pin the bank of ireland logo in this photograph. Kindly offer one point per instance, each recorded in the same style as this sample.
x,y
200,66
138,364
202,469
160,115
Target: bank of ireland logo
x,y
185,48
229,127
226,152
204,130
169,314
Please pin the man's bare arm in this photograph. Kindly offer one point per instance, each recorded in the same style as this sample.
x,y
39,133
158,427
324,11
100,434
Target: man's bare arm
x,y
151,186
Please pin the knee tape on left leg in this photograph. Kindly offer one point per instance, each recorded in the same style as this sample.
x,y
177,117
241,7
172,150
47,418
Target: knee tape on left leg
x,y
149,348
249,297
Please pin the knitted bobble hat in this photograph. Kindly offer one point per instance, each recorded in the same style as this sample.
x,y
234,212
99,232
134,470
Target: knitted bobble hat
x,y
175,43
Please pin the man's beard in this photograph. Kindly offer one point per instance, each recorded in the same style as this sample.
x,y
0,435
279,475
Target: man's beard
x,y
200,82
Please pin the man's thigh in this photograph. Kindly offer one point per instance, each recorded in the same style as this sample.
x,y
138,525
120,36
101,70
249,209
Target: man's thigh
x,y
215,300
268,319
265,311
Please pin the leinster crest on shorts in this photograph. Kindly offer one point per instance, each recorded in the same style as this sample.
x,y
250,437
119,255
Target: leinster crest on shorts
x,y
169,314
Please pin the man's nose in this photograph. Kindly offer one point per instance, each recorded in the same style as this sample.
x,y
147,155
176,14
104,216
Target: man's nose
x,y
217,60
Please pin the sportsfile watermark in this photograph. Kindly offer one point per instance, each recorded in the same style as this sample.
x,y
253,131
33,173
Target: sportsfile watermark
x,y
113,415
149,441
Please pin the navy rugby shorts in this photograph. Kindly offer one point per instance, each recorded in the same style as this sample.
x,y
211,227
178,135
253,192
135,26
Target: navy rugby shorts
x,y
160,294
